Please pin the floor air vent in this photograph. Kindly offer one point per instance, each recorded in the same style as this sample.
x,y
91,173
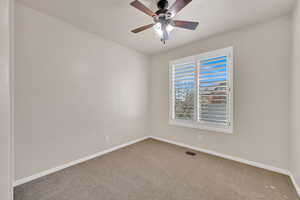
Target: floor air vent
x,y
190,153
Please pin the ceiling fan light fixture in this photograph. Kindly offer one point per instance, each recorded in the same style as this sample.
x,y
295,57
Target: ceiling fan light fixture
x,y
158,29
170,28
163,31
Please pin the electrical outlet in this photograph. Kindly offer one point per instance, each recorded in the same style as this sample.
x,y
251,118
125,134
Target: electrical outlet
x,y
107,138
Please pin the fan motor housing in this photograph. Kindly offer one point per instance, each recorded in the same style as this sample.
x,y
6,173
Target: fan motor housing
x,y
163,4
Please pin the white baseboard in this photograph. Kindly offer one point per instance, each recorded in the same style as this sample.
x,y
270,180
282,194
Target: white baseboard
x,y
295,183
248,162
237,159
55,169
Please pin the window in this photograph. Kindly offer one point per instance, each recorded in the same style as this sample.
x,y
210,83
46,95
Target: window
x,y
201,93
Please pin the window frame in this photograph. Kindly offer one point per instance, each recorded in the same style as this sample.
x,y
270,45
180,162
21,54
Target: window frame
x,y
195,123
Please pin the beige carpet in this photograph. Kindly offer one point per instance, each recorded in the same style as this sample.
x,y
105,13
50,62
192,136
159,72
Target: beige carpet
x,y
153,170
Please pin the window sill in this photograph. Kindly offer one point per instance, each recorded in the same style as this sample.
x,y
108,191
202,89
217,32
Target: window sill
x,y
202,126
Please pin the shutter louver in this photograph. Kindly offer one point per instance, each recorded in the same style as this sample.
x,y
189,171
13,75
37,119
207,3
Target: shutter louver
x,y
213,92
184,84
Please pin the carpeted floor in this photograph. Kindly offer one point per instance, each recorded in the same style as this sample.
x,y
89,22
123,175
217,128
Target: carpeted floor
x,y
153,170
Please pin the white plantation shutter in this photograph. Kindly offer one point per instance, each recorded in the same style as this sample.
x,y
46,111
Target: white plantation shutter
x,y
214,90
201,91
184,86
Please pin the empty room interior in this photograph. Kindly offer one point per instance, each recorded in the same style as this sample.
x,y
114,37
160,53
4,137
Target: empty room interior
x,y
149,100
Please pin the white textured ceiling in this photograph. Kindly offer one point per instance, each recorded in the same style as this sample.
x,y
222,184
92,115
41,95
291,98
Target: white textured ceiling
x,y
114,19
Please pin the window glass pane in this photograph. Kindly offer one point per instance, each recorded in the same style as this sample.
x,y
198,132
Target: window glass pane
x,y
184,83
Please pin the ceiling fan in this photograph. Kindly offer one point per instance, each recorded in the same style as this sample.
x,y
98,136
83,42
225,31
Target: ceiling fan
x,y
163,18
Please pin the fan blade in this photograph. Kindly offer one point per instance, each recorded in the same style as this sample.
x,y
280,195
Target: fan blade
x,y
186,24
138,5
178,6
142,28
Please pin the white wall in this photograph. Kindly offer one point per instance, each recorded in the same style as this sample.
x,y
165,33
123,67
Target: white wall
x,y
5,133
261,94
295,97
72,89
